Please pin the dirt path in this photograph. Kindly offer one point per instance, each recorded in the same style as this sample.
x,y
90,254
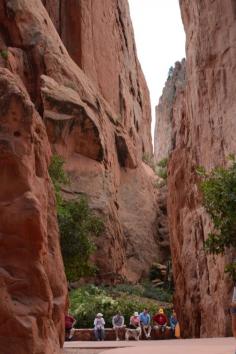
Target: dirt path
x,y
188,346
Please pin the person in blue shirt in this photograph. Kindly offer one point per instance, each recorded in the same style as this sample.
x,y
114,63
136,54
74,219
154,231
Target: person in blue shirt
x,y
145,321
173,322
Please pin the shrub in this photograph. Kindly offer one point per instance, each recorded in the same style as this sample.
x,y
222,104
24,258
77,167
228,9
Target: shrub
x,y
161,169
87,301
77,225
4,54
58,176
163,163
219,198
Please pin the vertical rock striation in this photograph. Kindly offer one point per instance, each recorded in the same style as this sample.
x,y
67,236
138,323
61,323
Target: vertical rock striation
x,y
99,37
93,110
164,137
202,128
33,294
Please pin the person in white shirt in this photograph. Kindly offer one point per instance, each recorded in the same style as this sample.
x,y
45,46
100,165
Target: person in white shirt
x,y
99,324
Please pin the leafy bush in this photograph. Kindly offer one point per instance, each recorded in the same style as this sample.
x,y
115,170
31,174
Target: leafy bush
x,y
77,225
161,169
219,198
163,163
4,54
58,176
87,301
159,294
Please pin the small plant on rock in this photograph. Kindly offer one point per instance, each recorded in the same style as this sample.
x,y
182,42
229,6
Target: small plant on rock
x,y
4,54
77,224
219,198
161,169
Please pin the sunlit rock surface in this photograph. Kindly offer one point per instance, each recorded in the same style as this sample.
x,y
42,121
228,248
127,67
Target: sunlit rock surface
x,y
92,107
201,128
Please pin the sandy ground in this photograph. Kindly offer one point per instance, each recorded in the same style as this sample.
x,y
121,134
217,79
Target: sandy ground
x,y
182,346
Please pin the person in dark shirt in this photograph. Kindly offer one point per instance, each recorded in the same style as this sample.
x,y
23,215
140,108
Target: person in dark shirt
x,y
160,321
118,323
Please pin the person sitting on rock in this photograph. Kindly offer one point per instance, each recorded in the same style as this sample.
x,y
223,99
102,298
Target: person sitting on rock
x,y
99,324
233,312
145,321
69,326
118,323
173,322
160,321
134,329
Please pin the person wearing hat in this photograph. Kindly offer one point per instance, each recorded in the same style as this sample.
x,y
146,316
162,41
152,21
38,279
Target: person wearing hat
x,y
160,320
134,329
99,324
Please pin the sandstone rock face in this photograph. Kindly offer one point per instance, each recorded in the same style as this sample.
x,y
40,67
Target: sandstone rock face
x,y
164,138
111,111
203,125
33,294
99,38
100,125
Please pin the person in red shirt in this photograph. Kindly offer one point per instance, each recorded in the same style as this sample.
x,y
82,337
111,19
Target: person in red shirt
x,y
160,321
69,326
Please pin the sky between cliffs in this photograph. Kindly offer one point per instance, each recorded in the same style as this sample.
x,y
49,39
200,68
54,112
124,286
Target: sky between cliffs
x,y
160,41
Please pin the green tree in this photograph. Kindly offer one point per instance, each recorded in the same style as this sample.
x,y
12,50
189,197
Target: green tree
x,y
219,198
77,224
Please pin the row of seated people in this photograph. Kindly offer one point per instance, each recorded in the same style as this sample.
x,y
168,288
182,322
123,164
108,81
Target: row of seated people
x,y
139,324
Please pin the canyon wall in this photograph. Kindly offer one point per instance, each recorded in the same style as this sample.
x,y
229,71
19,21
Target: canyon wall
x,y
164,134
202,128
85,99
109,169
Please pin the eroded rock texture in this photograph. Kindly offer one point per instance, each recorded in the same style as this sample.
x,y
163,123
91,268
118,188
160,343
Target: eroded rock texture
x,y
102,128
164,135
95,112
99,37
33,286
203,125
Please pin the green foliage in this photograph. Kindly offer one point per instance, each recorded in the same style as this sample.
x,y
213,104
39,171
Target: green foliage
x,y
219,198
77,225
58,177
231,270
163,163
161,169
4,54
148,159
87,301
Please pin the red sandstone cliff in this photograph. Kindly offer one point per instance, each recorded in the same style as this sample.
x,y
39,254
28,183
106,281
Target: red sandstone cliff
x,y
203,125
99,37
98,118
164,135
